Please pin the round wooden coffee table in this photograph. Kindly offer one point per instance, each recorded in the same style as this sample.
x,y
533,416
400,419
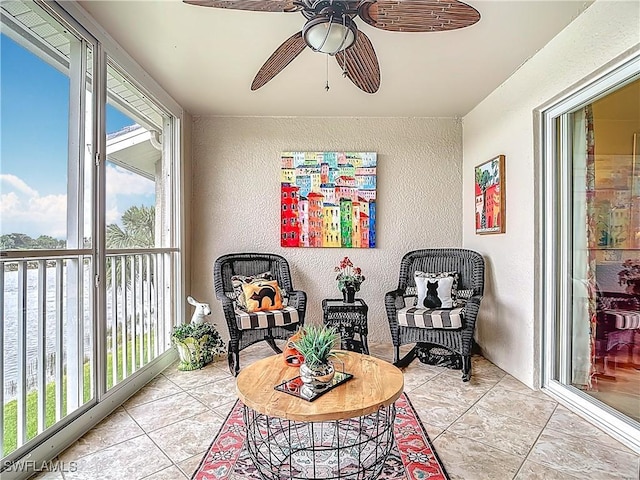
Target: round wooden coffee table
x,y
346,433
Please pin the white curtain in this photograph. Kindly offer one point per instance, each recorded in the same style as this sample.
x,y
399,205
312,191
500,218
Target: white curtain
x,y
581,347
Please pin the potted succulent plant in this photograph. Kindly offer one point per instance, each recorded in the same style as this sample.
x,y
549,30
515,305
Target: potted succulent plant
x,y
197,344
315,344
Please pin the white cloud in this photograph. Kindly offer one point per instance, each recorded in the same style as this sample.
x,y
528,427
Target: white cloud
x,y
112,215
9,201
124,182
24,210
16,183
34,216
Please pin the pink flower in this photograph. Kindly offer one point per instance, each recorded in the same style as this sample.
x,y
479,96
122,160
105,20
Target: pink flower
x,y
348,274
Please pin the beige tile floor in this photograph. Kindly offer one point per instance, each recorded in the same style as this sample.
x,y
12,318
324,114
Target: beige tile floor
x,y
491,428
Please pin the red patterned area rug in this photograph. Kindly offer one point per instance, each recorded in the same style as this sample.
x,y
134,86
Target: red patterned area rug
x,y
412,457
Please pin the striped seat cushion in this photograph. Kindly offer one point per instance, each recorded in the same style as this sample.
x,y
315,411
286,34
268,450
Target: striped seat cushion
x,y
268,318
430,318
624,319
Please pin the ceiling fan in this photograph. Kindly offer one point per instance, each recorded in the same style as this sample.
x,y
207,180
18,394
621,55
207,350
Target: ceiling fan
x,y
330,28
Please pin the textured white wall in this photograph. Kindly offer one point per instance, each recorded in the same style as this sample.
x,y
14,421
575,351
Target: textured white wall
x,y
508,330
235,204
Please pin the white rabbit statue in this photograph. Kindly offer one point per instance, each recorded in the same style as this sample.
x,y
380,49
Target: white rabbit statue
x,y
201,310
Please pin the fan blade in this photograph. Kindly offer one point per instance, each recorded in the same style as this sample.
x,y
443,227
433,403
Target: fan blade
x,y
361,64
418,15
283,56
252,5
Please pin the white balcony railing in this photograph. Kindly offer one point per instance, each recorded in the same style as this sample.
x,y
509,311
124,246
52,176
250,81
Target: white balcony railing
x,y
48,338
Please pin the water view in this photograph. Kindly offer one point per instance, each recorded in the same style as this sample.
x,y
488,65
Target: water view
x,y
10,320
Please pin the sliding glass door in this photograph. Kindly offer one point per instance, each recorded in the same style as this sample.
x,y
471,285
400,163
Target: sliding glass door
x,y
47,267
591,287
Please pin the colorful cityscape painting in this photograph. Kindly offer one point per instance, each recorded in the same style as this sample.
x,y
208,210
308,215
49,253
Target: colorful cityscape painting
x,y
328,199
490,196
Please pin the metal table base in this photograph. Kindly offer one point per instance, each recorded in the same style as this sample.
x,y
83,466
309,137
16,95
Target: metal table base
x,y
350,449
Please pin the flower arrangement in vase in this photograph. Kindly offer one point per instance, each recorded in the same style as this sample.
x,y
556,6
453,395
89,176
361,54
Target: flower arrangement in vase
x,y
630,276
349,279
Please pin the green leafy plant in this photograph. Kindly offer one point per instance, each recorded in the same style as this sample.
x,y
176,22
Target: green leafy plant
x,y
197,344
315,344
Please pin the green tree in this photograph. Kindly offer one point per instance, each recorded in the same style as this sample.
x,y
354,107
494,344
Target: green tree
x,y
7,242
22,241
137,231
49,243
16,241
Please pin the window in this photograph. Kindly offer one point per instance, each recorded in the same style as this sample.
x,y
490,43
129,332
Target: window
x,y
79,321
138,227
592,248
47,209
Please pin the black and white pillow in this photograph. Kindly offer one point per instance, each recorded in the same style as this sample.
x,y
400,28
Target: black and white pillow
x,y
436,290
462,296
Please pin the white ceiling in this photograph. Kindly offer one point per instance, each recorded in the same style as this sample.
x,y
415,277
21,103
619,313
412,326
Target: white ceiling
x,y
206,58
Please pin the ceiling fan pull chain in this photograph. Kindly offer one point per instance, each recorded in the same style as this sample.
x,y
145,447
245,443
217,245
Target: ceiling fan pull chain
x,y
326,87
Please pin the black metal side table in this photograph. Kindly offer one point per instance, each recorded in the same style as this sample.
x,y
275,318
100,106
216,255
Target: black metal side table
x,y
348,319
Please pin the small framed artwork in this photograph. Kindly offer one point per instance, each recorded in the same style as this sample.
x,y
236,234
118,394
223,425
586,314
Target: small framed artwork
x,y
490,196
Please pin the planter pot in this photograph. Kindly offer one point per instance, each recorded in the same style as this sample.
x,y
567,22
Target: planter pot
x,y
192,352
349,294
317,378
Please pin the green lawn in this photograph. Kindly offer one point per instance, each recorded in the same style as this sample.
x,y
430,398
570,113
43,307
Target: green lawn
x,y
11,408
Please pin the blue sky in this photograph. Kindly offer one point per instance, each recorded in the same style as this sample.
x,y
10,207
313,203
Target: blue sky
x,y
34,111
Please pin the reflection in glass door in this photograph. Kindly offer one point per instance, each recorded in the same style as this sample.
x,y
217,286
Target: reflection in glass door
x,y
606,249
591,287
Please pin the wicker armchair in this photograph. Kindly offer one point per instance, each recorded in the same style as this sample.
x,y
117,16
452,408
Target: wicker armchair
x,y
470,266
249,264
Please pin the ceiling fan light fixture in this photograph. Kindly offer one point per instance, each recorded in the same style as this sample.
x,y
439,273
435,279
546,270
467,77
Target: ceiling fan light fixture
x,y
330,34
